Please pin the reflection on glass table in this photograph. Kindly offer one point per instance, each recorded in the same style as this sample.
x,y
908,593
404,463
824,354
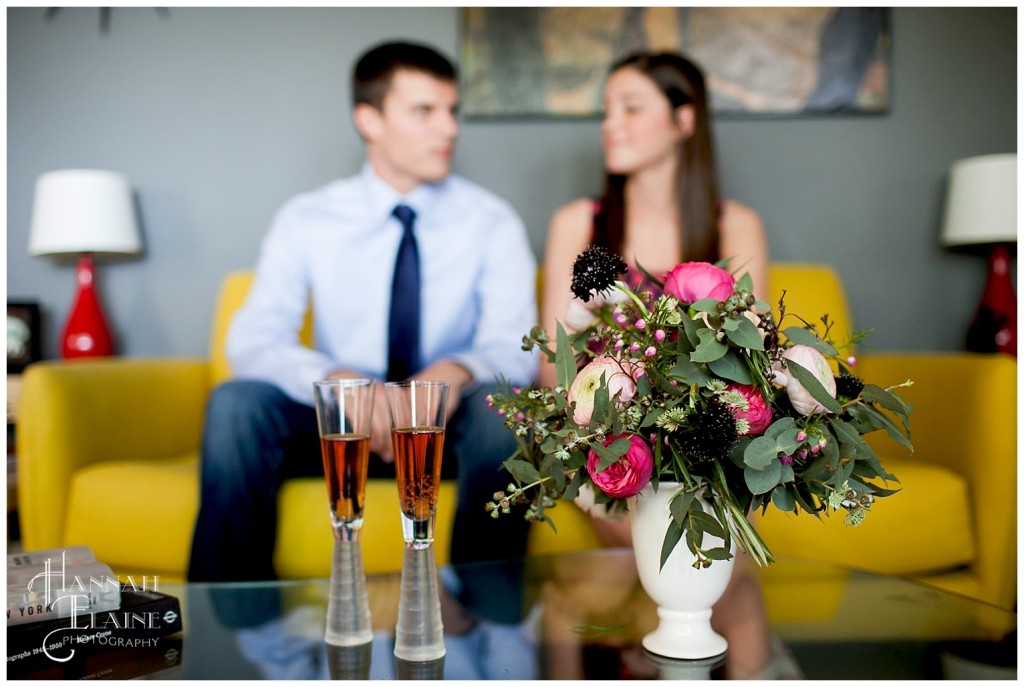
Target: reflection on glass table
x,y
582,616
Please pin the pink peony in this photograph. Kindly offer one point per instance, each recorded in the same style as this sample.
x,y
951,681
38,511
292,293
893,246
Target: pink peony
x,y
758,415
629,474
691,281
814,362
585,386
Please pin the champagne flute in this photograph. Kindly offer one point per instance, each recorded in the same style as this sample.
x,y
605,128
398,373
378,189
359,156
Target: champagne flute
x,y
416,410
344,412
417,413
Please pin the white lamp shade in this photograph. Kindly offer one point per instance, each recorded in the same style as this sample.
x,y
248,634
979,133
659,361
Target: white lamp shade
x,y
83,211
981,204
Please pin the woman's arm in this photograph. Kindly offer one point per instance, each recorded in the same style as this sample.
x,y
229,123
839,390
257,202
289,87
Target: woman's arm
x,y
569,232
742,238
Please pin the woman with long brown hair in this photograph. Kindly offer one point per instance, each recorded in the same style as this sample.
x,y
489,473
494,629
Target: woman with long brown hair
x,y
661,206
661,203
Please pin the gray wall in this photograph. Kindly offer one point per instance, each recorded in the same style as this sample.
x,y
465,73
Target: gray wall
x,y
219,115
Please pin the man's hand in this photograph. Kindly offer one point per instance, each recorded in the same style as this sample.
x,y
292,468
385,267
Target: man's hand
x,y
380,440
380,434
447,371
442,371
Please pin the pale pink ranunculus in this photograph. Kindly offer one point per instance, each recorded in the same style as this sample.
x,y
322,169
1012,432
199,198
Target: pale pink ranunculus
x,y
814,362
580,315
691,281
621,386
629,474
758,414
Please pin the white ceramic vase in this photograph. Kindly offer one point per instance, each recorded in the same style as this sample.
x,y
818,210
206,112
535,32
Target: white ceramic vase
x,y
684,595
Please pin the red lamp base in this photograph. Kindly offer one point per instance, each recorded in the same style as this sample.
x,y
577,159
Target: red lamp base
x,y
86,333
994,328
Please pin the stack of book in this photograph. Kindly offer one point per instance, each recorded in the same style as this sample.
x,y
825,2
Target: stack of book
x,y
68,616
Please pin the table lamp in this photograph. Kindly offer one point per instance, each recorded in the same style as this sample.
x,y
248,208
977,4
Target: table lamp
x,y
981,209
84,211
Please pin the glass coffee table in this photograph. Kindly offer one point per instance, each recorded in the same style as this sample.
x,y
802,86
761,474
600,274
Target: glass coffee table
x,y
582,615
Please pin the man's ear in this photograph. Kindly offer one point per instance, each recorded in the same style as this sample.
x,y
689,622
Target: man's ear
x,y
367,120
685,119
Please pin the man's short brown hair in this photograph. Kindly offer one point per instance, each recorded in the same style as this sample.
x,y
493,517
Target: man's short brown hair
x,y
372,75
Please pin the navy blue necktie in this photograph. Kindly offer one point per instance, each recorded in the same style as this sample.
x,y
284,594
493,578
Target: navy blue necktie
x,y
404,322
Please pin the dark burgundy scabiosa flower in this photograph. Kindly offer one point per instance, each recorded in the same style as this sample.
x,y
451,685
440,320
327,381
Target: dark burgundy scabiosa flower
x,y
710,435
848,387
595,269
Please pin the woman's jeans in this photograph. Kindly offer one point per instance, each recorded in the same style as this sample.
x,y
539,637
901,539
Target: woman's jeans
x,y
255,437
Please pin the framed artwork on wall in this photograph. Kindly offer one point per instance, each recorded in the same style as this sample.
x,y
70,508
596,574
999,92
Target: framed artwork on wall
x,y
526,62
24,338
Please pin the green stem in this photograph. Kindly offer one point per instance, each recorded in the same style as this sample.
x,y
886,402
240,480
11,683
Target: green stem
x,y
635,298
749,539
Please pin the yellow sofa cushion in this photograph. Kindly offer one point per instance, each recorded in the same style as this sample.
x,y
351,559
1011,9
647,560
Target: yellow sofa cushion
x,y
108,514
897,537
305,542
131,510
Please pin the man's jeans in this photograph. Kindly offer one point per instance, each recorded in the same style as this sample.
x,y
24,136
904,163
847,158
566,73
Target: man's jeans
x,y
255,437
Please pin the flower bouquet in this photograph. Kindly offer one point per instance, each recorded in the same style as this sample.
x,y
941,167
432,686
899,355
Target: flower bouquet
x,y
693,380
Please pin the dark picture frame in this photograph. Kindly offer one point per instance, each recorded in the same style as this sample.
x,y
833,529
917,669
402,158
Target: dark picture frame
x,y
551,62
24,335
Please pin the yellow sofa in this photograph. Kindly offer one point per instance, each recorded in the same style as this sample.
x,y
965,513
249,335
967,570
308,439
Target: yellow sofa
x,y
108,457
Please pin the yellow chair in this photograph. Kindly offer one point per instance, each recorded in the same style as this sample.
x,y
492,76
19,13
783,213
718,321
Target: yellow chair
x,y
108,457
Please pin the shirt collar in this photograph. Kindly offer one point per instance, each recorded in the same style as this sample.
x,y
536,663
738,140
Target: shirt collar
x,y
383,198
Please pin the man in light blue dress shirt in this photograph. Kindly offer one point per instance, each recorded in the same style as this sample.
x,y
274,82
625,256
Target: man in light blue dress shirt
x,y
337,245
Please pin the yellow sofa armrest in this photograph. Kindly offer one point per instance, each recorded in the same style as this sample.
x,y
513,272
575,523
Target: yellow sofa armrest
x,y
75,413
964,418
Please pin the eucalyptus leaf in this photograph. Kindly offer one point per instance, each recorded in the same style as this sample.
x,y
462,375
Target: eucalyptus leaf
x,y
611,453
687,371
763,481
781,425
786,441
705,305
522,471
572,490
760,453
662,384
709,524
799,335
746,335
886,399
556,470
813,386
601,403
709,347
738,449
731,367
679,505
849,436
888,425
565,358
783,499
651,418
673,534
643,386
691,328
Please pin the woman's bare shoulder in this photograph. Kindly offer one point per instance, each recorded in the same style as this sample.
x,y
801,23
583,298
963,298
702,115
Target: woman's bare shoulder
x,y
572,224
574,216
738,217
